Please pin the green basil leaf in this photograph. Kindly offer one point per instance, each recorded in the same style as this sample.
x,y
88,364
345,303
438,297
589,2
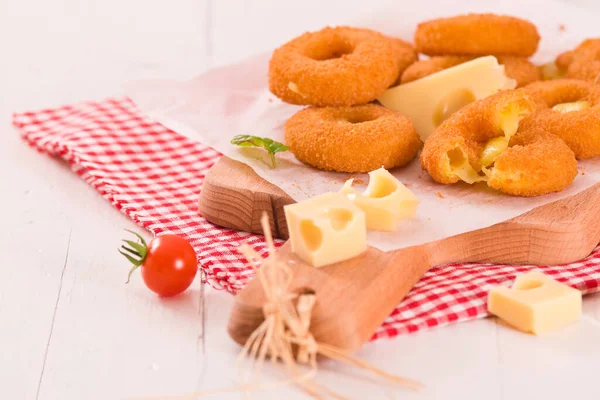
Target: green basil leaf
x,y
268,144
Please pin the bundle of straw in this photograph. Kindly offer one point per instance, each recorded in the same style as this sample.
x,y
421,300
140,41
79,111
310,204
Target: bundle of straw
x,y
285,335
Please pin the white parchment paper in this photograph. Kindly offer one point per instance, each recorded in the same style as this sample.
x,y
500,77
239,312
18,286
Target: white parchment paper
x,y
231,100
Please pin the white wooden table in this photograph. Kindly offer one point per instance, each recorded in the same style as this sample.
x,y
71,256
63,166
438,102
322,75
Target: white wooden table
x,y
69,326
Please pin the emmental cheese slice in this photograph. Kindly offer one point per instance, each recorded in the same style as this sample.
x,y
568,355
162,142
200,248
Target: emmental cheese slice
x,y
430,100
326,229
385,201
536,303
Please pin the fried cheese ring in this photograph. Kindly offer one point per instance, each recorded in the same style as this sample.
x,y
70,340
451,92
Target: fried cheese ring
x,y
339,66
583,62
479,144
518,68
352,139
477,34
569,109
535,163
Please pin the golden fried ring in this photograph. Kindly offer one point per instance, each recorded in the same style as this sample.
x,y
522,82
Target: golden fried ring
x,y
579,129
477,34
339,66
352,139
479,144
518,68
583,62
536,163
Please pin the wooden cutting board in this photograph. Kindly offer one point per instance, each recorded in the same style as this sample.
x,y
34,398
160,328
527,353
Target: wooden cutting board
x,y
355,296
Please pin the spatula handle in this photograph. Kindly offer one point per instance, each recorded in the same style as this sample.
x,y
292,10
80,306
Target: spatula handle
x,y
353,297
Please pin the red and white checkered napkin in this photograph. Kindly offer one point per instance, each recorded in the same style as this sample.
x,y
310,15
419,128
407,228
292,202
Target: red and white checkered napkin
x,y
154,175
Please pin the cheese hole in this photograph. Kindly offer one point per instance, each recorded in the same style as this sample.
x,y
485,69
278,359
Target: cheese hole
x,y
451,103
339,218
573,106
312,235
527,284
381,188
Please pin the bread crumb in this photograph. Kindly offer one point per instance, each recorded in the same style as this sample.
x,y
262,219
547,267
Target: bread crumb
x,y
564,207
428,219
407,185
490,201
438,194
562,27
359,181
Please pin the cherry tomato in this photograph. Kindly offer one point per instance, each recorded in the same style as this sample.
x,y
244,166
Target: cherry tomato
x,y
168,263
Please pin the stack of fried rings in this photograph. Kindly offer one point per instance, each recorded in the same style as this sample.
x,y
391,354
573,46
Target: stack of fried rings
x,y
535,163
579,129
583,62
455,40
341,69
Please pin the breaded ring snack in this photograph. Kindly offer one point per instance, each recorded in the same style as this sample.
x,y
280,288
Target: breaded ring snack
x,y
569,109
477,34
535,163
518,68
478,144
583,62
352,139
340,66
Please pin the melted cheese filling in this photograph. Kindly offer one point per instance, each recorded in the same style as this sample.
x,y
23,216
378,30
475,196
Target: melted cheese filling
x,y
460,166
508,123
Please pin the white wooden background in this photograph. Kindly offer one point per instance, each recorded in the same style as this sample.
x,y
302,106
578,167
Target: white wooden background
x,y
71,329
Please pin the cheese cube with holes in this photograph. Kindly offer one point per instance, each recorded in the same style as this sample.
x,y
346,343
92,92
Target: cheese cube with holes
x,y
385,201
431,100
326,229
536,303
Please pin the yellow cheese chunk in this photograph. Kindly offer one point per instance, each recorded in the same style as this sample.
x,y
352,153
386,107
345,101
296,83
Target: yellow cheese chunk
x,y
326,229
574,106
430,100
385,201
536,303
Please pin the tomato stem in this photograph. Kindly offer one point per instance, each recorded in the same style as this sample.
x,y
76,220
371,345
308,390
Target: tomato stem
x,y
134,252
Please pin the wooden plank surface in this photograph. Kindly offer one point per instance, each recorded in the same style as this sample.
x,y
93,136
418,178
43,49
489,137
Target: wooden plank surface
x,y
71,329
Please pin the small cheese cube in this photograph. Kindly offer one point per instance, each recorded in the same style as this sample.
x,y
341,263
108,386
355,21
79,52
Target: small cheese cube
x,y
385,201
430,100
326,229
536,303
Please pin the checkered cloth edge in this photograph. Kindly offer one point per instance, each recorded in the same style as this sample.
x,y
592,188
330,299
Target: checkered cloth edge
x,y
154,176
